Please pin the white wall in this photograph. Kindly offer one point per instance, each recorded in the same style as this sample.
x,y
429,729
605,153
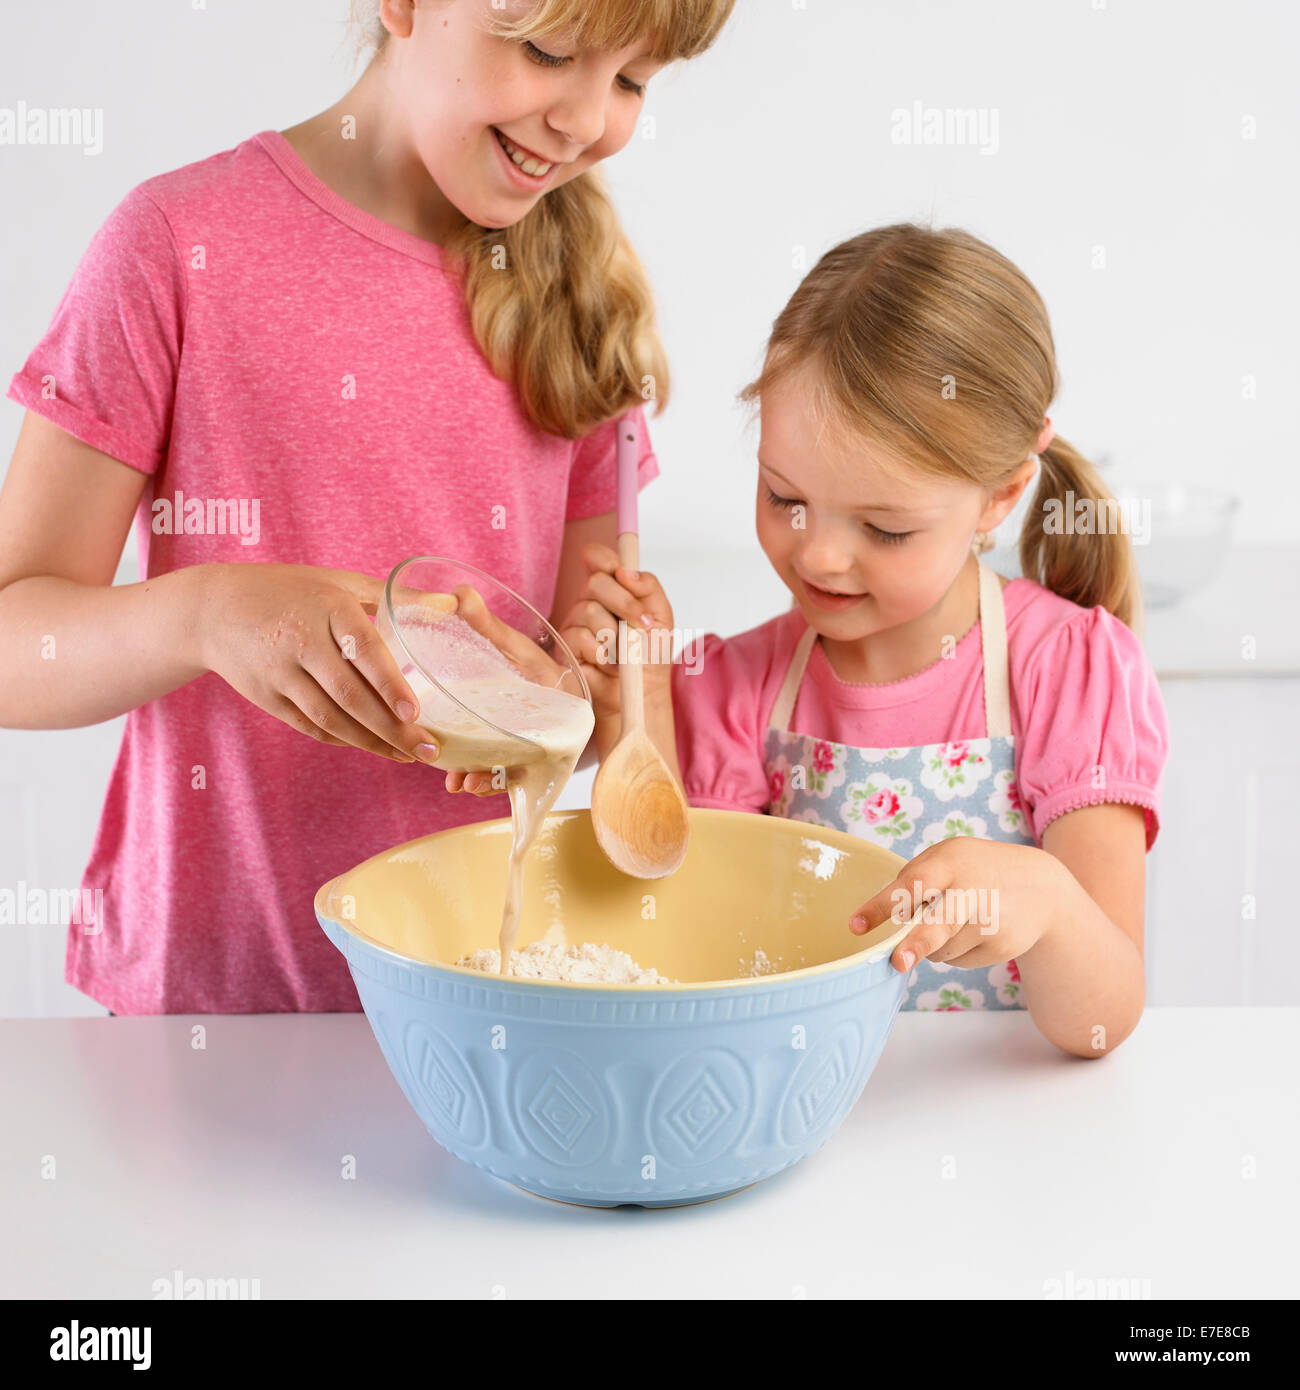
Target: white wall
x,y
1119,126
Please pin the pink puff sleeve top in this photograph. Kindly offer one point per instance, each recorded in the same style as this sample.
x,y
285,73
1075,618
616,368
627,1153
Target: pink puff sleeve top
x,y
1086,712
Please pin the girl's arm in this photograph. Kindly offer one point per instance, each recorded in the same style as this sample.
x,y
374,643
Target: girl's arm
x,y
1069,914
78,649
1084,978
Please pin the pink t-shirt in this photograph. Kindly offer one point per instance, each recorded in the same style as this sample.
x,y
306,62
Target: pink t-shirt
x,y
1083,695
238,331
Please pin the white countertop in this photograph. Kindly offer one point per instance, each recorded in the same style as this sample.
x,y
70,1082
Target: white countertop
x,y
225,1163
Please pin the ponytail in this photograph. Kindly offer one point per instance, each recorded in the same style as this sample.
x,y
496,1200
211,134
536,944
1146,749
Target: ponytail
x,y
1085,555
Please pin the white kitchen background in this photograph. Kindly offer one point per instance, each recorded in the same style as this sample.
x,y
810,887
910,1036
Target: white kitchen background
x,y
1136,159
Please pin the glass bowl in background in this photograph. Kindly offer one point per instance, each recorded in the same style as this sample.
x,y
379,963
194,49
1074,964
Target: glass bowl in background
x,y
1180,535
463,639
1190,530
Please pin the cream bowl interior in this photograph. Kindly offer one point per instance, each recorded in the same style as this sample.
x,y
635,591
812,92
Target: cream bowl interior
x,y
748,883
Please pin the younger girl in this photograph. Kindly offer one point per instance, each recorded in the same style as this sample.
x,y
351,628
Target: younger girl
x,y
1007,738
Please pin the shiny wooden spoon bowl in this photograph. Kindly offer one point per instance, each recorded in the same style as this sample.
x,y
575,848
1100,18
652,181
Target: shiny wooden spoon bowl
x,y
638,810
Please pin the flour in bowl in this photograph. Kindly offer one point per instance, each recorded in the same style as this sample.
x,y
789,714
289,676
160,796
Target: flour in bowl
x,y
761,964
587,963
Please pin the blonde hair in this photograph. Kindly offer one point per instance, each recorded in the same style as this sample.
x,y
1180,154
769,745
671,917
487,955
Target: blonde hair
x,y
935,345
564,310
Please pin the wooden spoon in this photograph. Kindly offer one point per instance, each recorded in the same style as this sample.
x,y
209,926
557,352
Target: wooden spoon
x,y
637,808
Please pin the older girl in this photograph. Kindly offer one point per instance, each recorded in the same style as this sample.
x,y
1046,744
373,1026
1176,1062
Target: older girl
x,y
403,326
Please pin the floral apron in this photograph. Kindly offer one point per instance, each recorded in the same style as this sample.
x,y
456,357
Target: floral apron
x,y
906,799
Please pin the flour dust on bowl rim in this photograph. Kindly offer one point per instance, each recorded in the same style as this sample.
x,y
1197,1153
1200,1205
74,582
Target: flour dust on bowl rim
x,y
605,1094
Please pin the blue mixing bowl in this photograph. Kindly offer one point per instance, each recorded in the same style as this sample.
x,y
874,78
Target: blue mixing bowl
x,y
598,1094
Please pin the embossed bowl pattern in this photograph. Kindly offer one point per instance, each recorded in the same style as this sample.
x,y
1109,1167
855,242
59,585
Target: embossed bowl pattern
x,y
608,1094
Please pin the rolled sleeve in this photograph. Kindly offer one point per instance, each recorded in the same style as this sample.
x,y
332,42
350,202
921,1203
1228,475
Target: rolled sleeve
x,y
105,370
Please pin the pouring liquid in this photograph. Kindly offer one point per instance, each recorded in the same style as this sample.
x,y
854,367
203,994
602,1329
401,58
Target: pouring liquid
x,y
558,725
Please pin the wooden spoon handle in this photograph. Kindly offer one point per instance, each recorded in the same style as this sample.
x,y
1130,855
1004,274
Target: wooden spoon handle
x,y
630,691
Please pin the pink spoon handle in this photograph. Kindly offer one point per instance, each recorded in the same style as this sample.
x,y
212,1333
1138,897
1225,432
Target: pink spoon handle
x,y
631,697
629,448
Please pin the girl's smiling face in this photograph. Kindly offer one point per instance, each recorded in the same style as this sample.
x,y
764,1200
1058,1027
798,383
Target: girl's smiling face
x,y
464,91
856,522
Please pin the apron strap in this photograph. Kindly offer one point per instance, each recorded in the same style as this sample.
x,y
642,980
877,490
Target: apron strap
x,y
993,644
784,707
993,641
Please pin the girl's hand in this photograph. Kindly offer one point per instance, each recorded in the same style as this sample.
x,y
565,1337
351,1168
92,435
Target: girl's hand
x,y
479,783
591,628
984,902
526,656
296,641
